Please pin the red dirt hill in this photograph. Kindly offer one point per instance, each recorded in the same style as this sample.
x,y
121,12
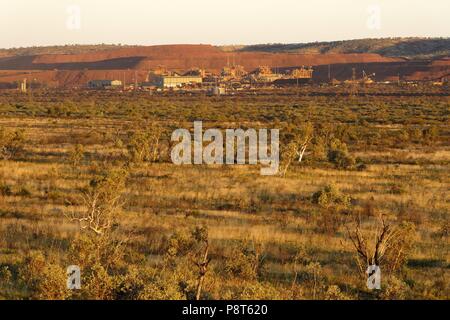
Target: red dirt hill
x,y
77,69
177,57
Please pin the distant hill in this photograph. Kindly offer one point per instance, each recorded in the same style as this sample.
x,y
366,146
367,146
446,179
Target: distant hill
x,y
67,49
176,57
411,48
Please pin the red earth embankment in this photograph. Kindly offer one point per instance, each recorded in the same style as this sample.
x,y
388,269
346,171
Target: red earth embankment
x,y
123,63
70,78
177,57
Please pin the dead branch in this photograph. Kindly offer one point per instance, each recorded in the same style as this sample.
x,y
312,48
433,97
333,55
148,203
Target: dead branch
x,y
202,269
382,241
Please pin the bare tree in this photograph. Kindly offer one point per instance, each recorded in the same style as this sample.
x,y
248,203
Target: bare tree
x,y
101,202
98,217
368,254
295,150
202,269
201,236
305,140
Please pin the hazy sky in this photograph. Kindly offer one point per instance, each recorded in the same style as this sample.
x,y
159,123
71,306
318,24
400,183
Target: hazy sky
x,y
49,22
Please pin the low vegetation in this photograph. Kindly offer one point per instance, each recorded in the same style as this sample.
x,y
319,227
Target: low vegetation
x,y
86,180
412,48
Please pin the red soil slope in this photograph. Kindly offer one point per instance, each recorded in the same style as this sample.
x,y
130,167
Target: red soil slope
x,y
122,63
177,57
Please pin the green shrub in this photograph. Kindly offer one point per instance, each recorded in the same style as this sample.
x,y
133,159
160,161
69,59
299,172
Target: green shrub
x,y
259,291
334,293
12,143
244,262
76,155
362,166
329,196
430,134
339,156
395,289
44,280
145,145
5,190
24,192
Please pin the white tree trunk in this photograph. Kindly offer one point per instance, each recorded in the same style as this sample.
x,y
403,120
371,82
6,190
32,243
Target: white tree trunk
x,y
301,153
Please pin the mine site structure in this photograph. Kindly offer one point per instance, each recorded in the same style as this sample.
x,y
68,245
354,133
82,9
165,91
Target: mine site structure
x,y
367,78
23,86
262,76
235,72
236,67
302,73
265,76
231,78
354,83
26,87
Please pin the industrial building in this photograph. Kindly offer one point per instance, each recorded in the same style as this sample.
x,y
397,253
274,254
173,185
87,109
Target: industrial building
x,y
104,84
196,72
23,86
217,91
264,74
176,81
302,73
296,77
233,72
